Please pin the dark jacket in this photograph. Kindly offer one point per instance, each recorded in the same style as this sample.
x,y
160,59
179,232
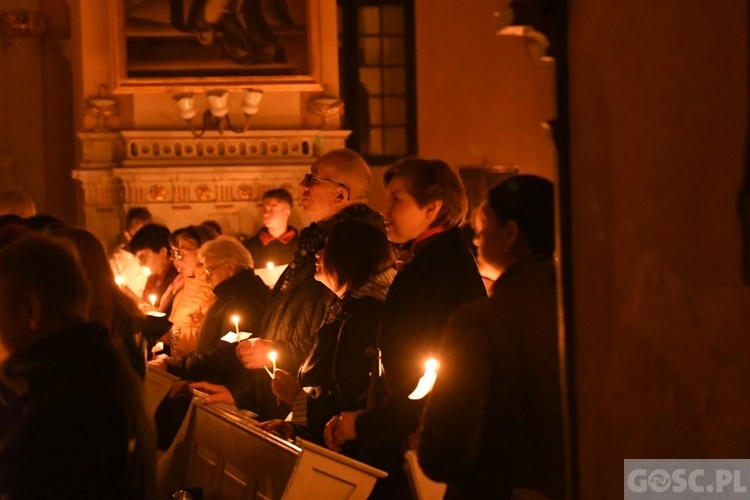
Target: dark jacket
x,y
214,360
441,276
265,248
336,373
72,423
494,419
298,306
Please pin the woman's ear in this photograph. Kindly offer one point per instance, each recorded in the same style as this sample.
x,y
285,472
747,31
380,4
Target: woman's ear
x,y
433,209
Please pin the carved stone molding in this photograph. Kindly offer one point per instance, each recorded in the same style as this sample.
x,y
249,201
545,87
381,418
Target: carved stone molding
x,y
20,23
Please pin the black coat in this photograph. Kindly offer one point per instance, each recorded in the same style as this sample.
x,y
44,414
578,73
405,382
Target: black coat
x,y
441,276
214,360
72,423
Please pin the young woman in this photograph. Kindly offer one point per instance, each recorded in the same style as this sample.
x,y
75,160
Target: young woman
x,y
108,304
356,264
191,296
425,204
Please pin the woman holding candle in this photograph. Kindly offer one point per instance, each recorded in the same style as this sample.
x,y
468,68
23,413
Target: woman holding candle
x,y
356,264
425,204
190,294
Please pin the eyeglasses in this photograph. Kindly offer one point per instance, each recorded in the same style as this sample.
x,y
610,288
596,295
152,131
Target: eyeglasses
x,y
211,269
310,179
179,253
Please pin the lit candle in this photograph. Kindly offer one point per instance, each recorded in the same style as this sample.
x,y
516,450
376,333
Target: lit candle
x,y
146,271
119,280
427,381
270,265
272,356
152,299
236,321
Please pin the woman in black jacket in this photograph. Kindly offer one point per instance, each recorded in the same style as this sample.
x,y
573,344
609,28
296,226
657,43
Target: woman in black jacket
x,y
437,273
357,266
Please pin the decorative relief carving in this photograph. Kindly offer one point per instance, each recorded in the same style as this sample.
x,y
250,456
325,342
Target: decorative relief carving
x,y
203,192
20,23
244,192
157,192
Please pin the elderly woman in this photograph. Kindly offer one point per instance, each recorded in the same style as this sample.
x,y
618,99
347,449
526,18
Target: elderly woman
x,y
356,264
425,204
229,271
190,293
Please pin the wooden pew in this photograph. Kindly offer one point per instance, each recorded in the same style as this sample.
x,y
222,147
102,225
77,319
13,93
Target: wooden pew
x,y
229,457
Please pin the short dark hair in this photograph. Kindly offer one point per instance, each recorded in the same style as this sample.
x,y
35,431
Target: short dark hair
x,y
432,180
43,223
38,265
152,236
529,200
213,225
137,214
355,252
279,194
201,234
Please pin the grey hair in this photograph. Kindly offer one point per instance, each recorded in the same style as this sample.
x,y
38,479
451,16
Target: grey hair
x,y
226,248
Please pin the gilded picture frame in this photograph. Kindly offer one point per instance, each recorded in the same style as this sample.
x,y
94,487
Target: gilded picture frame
x,y
195,45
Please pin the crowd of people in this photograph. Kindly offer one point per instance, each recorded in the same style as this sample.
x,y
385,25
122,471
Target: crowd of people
x,y
366,301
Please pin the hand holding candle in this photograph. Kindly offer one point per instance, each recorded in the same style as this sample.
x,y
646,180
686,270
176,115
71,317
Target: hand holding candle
x,y
272,356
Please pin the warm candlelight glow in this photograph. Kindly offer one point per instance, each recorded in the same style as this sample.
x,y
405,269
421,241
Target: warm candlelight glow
x,y
270,264
236,321
426,383
147,271
119,280
272,356
152,299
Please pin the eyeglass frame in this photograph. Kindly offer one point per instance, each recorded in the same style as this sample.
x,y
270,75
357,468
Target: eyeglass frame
x,y
209,270
309,178
177,253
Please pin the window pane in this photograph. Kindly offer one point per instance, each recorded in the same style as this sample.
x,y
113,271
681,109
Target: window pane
x,y
376,111
395,111
370,78
369,50
369,20
395,81
393,20
376,141
393,50
395,141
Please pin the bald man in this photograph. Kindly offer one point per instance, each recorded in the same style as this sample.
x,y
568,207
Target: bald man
x,y
335,190
13,202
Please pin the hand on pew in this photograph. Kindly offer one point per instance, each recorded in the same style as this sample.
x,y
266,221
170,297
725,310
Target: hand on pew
x,y
340,429
285,387
159,362
215,393
283,428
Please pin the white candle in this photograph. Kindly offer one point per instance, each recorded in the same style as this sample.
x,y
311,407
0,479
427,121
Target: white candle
x,y
236,321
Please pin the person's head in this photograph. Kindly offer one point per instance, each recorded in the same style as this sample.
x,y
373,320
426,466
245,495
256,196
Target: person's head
x,y
422,194
353,254
213,225
150,245
516,223
43,223
135,218
277,207
13,202
185,243
42,290
336,179
224,257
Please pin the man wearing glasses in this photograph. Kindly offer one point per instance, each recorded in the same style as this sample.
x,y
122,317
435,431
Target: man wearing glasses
x,y
150,245
335,190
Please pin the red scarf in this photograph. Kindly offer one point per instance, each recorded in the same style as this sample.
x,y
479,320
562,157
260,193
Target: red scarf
x,y
266,238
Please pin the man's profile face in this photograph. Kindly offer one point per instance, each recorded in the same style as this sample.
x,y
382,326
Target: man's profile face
x,y
156,261
320,198
275,212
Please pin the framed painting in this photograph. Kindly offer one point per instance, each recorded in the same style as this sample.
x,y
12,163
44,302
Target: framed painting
x,y
184,45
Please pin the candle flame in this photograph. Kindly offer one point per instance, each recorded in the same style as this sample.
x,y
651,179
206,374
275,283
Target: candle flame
x,y
272,356
427,381
119,280
270,265
152,299
235,319
431,365
146,271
